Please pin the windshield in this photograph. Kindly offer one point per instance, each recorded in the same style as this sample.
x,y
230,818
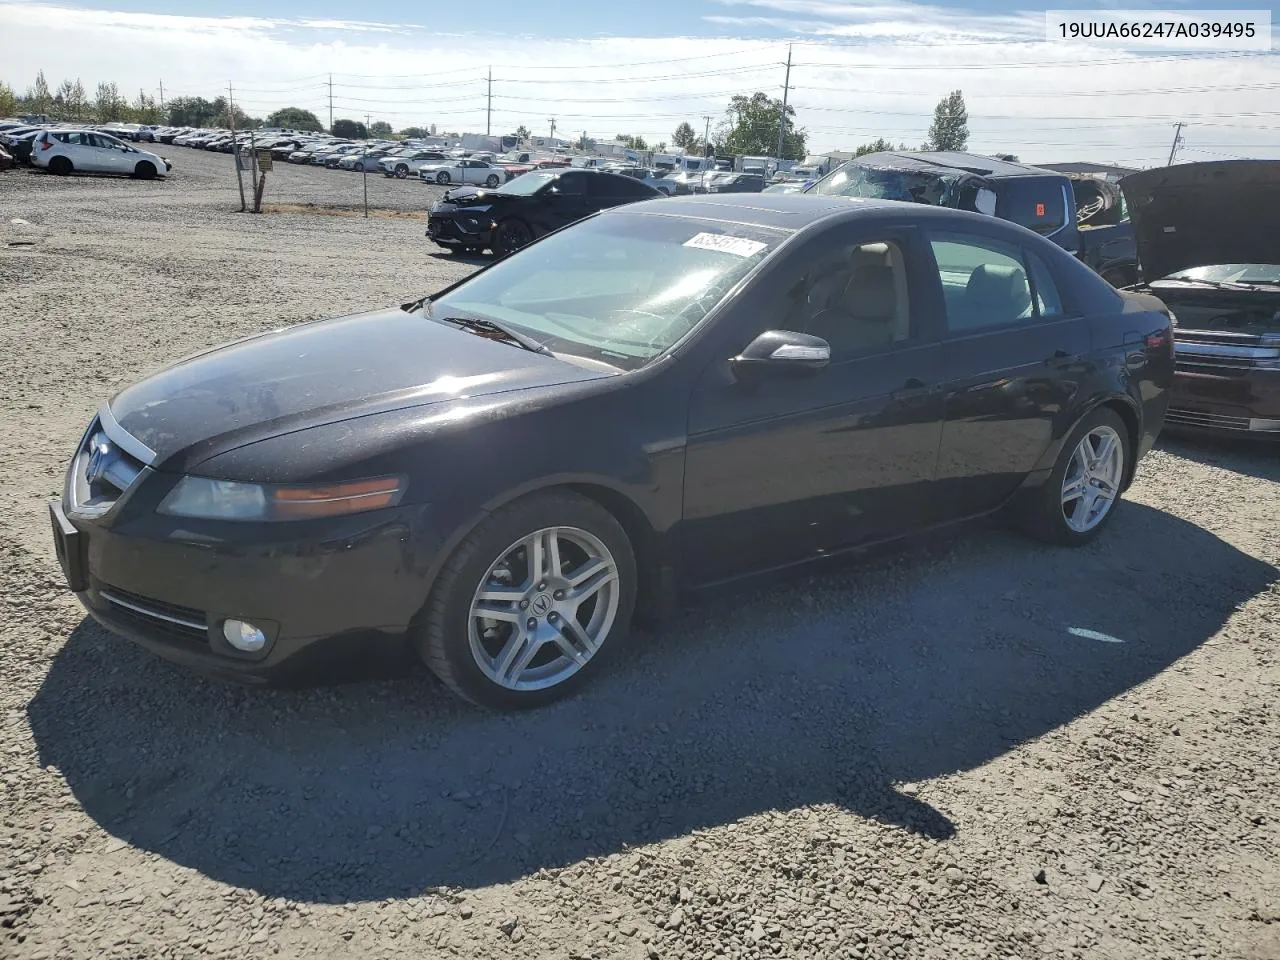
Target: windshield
x,y
915,186
527,184
620,289
1232,273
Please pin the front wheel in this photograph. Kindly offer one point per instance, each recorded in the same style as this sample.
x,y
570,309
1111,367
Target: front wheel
x,y
531,603
1081,493
401,171
145,170
510,236
442,178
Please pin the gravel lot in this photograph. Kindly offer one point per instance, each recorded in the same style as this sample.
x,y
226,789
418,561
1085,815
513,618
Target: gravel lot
x,y
913,756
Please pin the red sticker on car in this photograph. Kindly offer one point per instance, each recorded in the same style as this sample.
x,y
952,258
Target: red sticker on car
x,y
1039,209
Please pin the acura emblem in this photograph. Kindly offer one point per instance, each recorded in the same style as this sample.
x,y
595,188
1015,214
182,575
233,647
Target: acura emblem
x,y
97,467
541,604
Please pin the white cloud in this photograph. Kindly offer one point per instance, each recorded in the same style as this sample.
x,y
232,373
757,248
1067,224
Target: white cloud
x,y
861,70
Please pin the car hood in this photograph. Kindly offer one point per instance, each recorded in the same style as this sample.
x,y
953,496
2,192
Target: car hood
x,y
1197,214
469,197
323,372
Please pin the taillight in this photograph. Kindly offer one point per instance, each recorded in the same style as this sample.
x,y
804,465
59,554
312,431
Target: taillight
x,y
1156,340
45,144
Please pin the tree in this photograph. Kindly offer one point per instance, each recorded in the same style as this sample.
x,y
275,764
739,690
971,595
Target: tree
x,y
8,102
349,129
62,100
878,145
950,127
108,103
191,111
380,128
413,133
294,118
145,109
685,136
752,124
522,132
38,97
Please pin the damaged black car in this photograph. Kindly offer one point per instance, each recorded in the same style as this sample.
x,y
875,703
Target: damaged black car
x,y
1207,242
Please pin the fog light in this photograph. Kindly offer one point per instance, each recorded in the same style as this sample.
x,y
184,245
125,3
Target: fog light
x,y
244,636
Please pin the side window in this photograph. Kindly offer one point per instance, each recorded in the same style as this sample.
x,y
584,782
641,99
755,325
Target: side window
x,y
1048,301
572,184
983,280
855,298
1038,203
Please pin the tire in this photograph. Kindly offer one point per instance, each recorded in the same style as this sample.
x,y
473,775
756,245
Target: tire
x,y
510,236
145,170
60,166
442,178
1049,515
466,651
491,181
402,171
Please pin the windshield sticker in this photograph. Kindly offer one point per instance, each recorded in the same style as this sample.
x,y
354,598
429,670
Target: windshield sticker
x,y
738,246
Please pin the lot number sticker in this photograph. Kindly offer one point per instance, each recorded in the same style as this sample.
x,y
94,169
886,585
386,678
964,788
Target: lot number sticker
x,y
738,246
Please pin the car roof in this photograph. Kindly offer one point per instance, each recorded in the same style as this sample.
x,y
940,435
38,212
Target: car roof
x,y
795,211
969,162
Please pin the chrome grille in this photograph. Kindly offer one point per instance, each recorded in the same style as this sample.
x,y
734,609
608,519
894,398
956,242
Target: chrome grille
x,y
107,465
179,623
1240,354
1194,418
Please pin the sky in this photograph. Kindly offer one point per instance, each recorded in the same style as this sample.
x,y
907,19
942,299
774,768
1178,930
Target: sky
x,y
861,69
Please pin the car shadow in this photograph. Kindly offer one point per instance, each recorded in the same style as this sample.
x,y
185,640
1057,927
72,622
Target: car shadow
x,y
1247,456
476,259
833,688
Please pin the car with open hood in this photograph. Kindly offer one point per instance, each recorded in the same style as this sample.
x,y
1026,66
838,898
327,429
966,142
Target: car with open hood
x,y
657,399
1208,238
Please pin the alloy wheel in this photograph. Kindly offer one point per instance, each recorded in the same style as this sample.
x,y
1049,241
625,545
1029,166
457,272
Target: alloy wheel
x,y
544,608
1092,479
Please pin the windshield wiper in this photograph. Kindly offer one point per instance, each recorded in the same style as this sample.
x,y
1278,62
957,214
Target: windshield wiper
x,y
488,328
1215,284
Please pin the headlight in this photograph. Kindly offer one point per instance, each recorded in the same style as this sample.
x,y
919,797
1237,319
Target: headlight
x,y
233,500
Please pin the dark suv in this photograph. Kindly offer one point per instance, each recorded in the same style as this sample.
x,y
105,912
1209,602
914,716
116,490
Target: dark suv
x,y
1041,200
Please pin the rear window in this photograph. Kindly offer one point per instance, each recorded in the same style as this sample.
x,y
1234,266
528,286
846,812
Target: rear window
x,y
1040,204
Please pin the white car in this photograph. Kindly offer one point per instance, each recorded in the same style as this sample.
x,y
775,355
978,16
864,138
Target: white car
x,y
464,171
88,151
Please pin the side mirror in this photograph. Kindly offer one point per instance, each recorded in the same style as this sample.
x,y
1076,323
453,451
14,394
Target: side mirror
x,y
781,352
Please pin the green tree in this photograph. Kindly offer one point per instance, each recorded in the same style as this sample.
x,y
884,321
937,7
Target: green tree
x,y
950,127
878,145
8,102
145,109
685,136
752,128
633,143
191,111
62,101
39,100
413,133
107,103
349,129
522,132
379,128
294,118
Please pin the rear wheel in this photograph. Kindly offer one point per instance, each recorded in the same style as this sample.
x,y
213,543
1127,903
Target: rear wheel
x,y
529,605
442,178
491,181
510,236
145,170
60,165
402,171
1080,495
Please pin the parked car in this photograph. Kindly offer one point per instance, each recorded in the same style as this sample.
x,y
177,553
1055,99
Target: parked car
x,y
463,171
1040,200
1207,243
6,159
409,162
737,183
362,161
19,145
648,176
84,151
516,213
782,378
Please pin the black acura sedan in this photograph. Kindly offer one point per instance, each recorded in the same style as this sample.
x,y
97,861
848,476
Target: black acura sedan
x,y
661,397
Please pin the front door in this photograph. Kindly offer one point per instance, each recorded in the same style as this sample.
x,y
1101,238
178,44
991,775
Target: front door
x,y
792,468
1013,361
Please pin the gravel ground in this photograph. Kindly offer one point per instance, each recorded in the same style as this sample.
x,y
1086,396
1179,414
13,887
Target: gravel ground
x,y
914,756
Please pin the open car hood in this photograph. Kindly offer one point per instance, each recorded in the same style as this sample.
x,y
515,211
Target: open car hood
x,y
1197,214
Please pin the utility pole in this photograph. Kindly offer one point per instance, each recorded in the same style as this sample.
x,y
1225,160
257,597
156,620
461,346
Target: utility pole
x,y
235,150
706,137
488,113
162,94
1177,139
331,103
553,128
782,120
364,163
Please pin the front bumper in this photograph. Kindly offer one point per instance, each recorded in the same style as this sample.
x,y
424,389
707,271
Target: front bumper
x,y
1236,401
315,588
452,231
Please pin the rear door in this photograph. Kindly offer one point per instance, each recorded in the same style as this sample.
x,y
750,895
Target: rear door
x,y
1013,359
565,200
606,190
